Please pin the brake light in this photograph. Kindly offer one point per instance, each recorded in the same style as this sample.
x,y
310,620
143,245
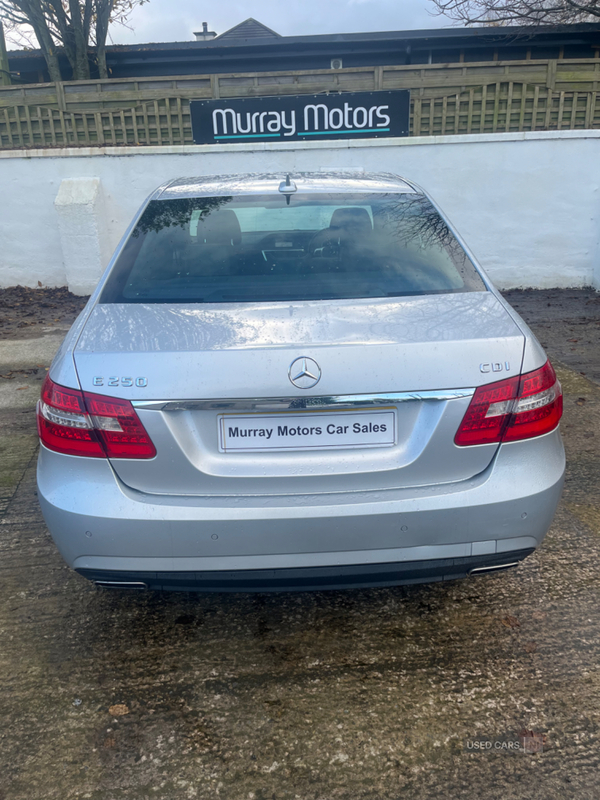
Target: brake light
x,y
83,424
513,409
539,406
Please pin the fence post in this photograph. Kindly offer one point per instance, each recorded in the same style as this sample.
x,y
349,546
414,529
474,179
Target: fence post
x,y
551,75
60,96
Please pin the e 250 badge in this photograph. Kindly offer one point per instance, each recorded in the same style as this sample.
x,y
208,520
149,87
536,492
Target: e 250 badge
x,y
116,381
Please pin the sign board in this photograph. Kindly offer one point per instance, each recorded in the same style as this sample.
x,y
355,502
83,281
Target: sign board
x,y
351,115
307,430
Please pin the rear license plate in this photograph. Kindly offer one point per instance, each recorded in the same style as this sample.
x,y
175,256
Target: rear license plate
x,y
307,430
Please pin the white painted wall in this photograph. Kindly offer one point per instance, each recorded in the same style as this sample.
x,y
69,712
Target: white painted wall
x,y
528,204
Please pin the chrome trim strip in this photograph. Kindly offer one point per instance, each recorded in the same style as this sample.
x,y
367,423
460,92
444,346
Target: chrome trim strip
x,y
493,568
121,584
299,403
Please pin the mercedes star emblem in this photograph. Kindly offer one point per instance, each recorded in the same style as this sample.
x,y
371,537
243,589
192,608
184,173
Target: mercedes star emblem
x,y
304,372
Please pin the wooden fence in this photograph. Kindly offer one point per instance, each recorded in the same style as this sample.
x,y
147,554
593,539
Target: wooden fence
x,y
445,99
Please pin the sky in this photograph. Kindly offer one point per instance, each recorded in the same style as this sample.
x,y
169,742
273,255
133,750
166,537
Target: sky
x,y
175,20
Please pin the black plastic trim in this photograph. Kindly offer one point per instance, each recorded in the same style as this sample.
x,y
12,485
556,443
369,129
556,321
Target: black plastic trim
x,y
352,576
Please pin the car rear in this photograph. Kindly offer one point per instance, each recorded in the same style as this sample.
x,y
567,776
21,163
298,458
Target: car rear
x,y
297,384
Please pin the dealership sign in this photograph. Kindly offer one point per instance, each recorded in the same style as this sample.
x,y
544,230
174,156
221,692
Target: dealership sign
x,y
352,115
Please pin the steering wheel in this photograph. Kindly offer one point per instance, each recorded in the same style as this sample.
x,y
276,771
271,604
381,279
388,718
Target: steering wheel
x,y
325,243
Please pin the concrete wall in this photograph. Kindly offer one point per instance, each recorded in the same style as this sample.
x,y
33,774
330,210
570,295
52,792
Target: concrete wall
x,y
528,204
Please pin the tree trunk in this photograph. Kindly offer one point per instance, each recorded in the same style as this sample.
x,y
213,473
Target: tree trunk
x,y
80,63
53,65
47,46
79,44
103,11
101,59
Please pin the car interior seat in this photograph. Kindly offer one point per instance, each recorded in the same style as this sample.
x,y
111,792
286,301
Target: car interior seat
x,y
218,237
346,227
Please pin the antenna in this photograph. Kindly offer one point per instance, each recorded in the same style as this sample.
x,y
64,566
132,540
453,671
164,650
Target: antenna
x,y
287,187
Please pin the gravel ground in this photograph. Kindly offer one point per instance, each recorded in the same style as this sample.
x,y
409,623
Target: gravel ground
x,y
25,312
359,695
567,323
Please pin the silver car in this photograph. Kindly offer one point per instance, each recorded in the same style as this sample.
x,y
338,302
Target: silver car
x,y
292,382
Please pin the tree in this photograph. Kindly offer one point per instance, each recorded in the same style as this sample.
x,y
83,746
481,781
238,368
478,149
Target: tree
x,y
519,12
70,25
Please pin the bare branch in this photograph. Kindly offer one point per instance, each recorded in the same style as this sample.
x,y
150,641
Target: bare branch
x,y
68,25
527,12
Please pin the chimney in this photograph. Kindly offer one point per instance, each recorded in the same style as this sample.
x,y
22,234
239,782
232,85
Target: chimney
x,y
204,35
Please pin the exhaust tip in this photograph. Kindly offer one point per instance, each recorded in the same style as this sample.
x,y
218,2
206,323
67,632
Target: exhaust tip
x,y
139,585
494,568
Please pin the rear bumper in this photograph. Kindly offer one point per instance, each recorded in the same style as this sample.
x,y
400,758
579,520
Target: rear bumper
x,y
300,541
354,576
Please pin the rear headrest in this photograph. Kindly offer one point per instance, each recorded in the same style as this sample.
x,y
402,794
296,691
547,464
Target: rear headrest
x,y
220,227
354,219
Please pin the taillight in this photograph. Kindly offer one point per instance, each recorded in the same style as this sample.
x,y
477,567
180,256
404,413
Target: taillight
x,y
539,406
82,424
513,409
63,422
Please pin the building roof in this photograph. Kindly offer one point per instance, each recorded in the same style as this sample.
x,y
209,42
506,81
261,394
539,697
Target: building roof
x,y
252,47
248,29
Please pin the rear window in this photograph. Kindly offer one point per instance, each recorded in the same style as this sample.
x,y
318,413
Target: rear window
x,y
317,247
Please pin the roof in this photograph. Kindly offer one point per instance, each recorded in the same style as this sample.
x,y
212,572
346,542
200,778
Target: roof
x,y
249,29
488,35
252,47
262,183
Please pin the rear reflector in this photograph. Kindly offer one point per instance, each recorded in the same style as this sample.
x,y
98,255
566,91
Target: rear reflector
x,y
83,424
513,409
